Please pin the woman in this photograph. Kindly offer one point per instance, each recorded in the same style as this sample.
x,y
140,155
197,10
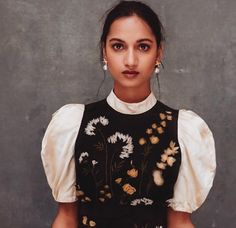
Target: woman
x,y
128,160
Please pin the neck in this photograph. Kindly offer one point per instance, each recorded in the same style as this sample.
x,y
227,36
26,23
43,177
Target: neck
x,y
131,95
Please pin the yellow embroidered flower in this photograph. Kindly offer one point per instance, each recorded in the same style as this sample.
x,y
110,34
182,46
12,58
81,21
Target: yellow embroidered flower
x,y
79,193
102,191
164,157
142,141
170,161
168,151
173,147
149,131
118,180
84,220
154,125
163,123
154,139
129,189
161,165
158,179
92,223
132,172
169,117
160,130
162,116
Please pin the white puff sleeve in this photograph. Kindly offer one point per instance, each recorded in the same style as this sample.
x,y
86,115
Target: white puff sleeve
x,y
198,165
57,152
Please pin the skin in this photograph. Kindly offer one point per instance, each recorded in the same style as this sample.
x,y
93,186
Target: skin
x,y
128,53
124,51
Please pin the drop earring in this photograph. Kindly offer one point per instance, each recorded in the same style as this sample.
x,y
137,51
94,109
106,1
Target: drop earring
x,y
157,68
105,65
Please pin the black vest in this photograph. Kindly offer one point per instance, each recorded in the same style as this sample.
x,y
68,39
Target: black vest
x,y
126,166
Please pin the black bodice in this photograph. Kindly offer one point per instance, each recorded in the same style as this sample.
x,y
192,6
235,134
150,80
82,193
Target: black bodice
x,y
126,166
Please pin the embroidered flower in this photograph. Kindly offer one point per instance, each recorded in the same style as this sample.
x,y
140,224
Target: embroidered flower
x,y
169,112
163,123
161,165
143,200
129,189
162,116
160,130
92,223
128,148
170,161
82,156
154,125
164,157
94,162
118,180
89,130
133,173
158,179
142,141
84,220
149,131
79,193
154,139
169,117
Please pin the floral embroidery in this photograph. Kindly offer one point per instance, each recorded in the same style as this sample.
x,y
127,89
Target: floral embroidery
x,y
167,159
133,173
83,155
88,223
89,130
129,189
128,148
143,200
157,176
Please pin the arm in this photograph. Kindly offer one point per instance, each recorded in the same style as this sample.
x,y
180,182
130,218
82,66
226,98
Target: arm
x,y
66,216
178,219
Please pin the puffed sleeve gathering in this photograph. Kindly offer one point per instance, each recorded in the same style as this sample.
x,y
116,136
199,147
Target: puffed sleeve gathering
x,y
198,165
57,152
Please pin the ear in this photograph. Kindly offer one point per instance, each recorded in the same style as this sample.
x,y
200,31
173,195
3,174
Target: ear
x,y
160,53
104,51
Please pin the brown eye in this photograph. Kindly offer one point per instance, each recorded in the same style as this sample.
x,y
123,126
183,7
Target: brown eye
x,y
144,47
117,46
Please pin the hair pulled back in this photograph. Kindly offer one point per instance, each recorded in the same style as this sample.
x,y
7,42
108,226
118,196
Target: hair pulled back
x,y
130,8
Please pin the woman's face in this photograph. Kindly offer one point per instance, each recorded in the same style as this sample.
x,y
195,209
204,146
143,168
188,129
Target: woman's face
x,y
131,46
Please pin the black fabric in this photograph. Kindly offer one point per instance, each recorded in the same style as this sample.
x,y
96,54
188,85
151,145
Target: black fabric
x,y
117,156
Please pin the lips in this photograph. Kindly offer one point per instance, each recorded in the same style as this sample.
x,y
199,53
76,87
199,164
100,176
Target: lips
x,y
130,74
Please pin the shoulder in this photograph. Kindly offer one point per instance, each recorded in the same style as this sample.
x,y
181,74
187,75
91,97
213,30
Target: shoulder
x,y
68,115
192,123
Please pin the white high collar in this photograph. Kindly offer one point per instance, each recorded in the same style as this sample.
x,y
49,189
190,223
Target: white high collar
x,y
131,108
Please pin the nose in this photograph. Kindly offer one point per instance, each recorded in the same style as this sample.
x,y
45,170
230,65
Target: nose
x,y
130,58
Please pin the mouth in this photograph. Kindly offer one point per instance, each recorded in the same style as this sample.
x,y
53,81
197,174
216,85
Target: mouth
x,y
130,74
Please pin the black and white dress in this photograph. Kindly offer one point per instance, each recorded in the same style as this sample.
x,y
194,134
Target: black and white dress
x,y
125,163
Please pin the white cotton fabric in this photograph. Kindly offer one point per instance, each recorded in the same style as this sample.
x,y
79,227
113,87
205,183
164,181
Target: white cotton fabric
x,y
197,169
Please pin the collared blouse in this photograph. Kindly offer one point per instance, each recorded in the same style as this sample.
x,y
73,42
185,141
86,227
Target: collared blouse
x,y
198,165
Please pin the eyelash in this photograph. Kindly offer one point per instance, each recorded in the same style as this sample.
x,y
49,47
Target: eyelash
x,y
116,44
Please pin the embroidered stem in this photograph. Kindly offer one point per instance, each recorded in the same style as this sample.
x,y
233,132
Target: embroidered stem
x,y
105,145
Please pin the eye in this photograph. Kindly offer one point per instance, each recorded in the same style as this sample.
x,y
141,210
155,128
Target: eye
x,y
117,46
144,47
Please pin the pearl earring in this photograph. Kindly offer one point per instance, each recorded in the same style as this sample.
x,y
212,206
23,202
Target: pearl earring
x,y
157,68
105,65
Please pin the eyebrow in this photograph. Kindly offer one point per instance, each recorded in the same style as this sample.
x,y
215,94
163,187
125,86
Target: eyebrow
x,y
139,41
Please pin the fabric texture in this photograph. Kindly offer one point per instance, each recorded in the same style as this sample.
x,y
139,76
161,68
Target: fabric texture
x,y
197,169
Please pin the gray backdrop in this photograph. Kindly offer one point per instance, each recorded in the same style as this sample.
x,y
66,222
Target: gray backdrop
x,y
49,57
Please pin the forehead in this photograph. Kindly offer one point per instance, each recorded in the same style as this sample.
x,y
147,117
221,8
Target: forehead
x,y
131,27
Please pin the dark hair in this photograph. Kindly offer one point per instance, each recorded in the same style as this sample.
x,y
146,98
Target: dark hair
x,y
129,8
